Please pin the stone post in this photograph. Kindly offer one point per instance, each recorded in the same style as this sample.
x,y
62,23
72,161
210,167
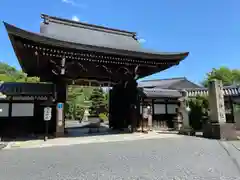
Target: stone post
x,y
236,112
184,112
237,119
217,128
216,102
150,112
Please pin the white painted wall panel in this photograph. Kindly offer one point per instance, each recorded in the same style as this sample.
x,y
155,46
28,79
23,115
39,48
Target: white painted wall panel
x,y
159,109
22,109
4,108
171,108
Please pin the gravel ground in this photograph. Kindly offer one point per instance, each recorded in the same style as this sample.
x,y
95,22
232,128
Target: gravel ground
x,y
168,159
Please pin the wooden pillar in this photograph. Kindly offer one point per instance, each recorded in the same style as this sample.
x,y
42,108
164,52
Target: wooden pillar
x,y
61,96
61,92
131,102
110,104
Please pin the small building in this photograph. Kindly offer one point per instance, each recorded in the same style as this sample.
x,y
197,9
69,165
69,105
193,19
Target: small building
x,y
163,104
21,112
231,93
162,95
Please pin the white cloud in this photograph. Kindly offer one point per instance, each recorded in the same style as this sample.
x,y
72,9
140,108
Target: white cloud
x,y
75,18
141,40
74,3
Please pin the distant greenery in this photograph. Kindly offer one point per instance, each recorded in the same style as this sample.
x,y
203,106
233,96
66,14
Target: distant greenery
x,y
226,75
11,74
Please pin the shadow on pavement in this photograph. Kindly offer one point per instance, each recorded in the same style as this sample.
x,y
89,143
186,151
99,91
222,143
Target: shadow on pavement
x,y
88,129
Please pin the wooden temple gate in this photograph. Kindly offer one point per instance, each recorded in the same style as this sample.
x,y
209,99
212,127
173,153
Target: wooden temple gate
x,y
64,51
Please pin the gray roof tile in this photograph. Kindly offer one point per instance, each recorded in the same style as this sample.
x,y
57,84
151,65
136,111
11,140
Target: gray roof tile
x,y
77,32
159,92
18,88
94,35
160,83
227,91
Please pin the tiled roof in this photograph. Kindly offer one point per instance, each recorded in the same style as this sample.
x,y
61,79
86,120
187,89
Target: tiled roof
x,y
158,92
160,83
77,32
93,35
18,88
227,91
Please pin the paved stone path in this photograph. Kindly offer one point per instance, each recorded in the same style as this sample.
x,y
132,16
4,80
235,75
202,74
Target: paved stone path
x,y
185,158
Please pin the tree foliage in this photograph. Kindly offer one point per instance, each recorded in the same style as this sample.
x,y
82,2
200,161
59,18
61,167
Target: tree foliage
x,y
98,100
199,110
11,74
77,101
226,75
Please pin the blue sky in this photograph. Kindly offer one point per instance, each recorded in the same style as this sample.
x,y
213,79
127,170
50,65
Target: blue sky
x,y
208,29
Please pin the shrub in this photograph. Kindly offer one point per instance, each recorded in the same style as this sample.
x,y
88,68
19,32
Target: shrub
x,y
199,107
103,117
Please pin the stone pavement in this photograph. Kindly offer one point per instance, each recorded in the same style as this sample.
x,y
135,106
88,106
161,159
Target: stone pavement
x,y
236,144
66,141
185,158
2,145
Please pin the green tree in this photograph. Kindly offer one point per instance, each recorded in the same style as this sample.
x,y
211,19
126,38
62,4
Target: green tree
x,y
11,74
77,101
98,102
199,110
226,75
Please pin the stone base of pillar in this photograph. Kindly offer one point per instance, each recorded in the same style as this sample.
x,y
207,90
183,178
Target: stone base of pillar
x,y
60,131
226,131
59,134
237,120
186,131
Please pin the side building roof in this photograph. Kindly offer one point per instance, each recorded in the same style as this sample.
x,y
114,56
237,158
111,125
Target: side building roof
x,y
227,91
19,88
170,83
161,93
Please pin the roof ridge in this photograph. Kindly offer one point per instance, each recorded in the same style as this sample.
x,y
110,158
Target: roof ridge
x,y
205,88
175,78
48,18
